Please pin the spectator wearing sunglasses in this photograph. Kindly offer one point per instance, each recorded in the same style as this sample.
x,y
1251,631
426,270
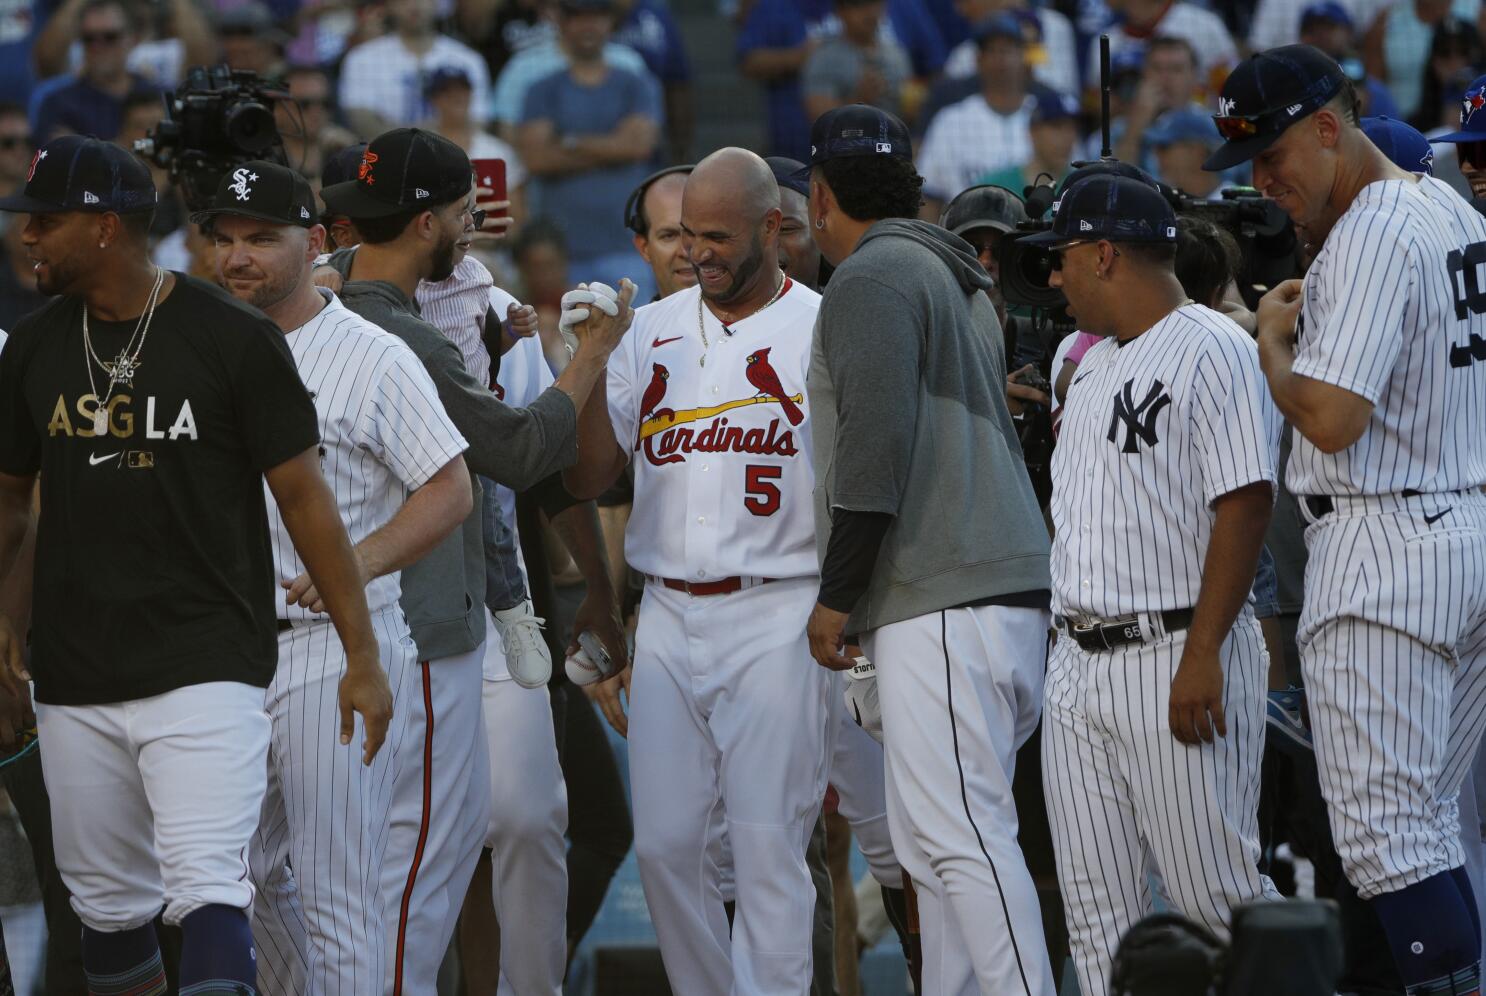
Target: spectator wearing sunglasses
x,y
93,103
307,122
1470,140
15,148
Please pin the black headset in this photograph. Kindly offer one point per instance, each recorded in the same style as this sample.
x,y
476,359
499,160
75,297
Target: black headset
x,y
637,196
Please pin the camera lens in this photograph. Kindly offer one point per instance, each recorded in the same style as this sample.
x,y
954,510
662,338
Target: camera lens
x,y
251,127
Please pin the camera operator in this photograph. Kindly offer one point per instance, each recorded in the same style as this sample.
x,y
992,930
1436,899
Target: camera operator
x,y
901,377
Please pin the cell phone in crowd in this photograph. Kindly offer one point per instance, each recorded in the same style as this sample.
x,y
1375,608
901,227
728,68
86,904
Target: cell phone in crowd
x,y
491,173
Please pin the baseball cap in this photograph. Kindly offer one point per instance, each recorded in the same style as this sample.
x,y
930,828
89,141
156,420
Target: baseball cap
x,y
1402,143
858,130
1049,105
1106,167
342,165
444,77
1266,94
999,26
1113,208
1327,10
985,206
585,6
266,191
1184,124
401,170
74,173
791,174
1472,115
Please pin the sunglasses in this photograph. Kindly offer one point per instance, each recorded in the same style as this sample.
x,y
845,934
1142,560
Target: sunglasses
x,y
102,37
1472,153
9,142
312,103
1055,256
479,216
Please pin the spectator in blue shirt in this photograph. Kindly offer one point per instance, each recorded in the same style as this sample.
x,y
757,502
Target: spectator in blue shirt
x,y
648,27
93,104
20,23
586,136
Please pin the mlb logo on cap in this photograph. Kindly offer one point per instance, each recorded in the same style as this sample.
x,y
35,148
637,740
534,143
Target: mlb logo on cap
x,y
1106,207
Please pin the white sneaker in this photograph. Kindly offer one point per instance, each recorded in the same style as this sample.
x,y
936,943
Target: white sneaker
x,y
527,656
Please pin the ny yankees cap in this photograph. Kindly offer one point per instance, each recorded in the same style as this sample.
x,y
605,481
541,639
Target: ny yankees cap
x,y
1266,94
1402,143
402,170
1472,115
1109,208
858,130
73,173
266,191
984,206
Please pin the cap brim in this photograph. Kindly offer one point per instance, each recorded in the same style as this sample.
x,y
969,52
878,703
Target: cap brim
x,y
1231,154
1456,137
975,223
201,217
21,204
350,200
1048,240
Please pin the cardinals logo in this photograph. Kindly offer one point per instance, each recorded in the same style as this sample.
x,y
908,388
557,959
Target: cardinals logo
x,y
364,173
762,376
667,436
1472,102
654,392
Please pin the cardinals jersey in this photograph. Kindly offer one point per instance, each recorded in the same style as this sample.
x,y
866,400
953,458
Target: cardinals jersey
x,y
721,448
1394,311
1154,430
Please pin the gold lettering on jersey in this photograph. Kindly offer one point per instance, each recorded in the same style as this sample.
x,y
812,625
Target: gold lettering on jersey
x,y
119,417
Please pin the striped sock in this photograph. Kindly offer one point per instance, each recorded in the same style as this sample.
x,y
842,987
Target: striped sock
x,y
1466,982
123,962
217,956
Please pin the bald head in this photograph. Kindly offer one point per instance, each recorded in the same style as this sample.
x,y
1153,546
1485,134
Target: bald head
x,y
730,222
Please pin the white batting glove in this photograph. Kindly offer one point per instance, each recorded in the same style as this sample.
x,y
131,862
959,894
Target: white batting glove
x,y
575,304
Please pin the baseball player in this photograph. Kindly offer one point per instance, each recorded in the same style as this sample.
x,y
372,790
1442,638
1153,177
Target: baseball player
x,y
1378,360
392,457
156,405
706,398
1153,724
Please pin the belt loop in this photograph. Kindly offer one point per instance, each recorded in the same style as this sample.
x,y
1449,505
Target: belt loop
x,y
1152,628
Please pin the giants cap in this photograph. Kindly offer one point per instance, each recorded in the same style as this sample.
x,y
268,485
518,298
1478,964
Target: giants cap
x,y
266,191
73,173
1268,93
404,169
1111,208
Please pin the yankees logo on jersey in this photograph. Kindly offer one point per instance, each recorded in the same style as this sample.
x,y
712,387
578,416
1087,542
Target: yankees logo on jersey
x,y
1394,311
721,454
1154,430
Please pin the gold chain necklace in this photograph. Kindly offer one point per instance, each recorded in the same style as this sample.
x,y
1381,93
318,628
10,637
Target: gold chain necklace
x,y
702,323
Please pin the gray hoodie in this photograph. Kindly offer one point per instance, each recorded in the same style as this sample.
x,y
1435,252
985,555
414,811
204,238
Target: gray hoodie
x,y
908,406
443,595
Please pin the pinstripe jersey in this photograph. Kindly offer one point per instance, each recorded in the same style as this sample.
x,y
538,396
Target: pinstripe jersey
x,y
1153,432
456,307
383,434
1394,310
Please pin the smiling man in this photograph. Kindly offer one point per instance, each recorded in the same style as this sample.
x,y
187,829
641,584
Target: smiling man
x,y
393,459
1378,359
656,222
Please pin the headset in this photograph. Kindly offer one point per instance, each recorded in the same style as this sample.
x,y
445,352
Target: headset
x,y
632,219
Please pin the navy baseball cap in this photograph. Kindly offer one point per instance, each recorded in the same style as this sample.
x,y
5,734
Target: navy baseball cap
x,y
1472,115
342,165
1111,208
985,206
444,77
1184,124
402,170
1266,94
266,191
1106,167
858,130
1402,143
1049,105
74,173
1000,26
790,174
1327,10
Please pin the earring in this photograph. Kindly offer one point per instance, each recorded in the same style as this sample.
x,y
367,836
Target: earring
x,y
820,223
102,246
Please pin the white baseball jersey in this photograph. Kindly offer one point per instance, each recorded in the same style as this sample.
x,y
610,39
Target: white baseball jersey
x,y
723,477
1394,310
383,433
457,306
1154,430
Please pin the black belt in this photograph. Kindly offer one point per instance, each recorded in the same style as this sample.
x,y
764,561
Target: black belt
x,y
1323,505
1107,634
285,624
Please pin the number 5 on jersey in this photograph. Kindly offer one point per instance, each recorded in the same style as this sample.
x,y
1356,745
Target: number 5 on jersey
x,y
762,494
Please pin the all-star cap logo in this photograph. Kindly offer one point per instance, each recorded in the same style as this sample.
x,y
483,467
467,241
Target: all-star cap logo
x,y
1473,101
1226,107
35,161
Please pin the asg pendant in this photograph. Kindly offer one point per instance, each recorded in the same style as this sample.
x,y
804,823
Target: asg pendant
x,y
100,421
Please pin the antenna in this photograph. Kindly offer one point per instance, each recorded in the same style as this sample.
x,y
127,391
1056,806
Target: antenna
x,y
1105,152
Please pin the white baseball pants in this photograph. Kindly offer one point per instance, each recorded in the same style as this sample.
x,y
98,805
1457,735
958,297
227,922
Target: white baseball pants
x,y
154,801
728,705
961,690
856,772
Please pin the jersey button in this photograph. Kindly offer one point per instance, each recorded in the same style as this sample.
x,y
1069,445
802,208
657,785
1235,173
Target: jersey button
x,y
701,520
1086,582
704,466
716,389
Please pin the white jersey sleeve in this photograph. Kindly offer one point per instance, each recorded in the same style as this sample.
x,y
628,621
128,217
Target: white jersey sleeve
x,y
404,424
624,402
1236,428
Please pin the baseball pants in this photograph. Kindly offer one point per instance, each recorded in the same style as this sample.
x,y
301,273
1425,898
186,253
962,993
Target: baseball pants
x,y
528,817
961,690
728,706
1131,806
1393,647
154,801
317,855
856,773
440,816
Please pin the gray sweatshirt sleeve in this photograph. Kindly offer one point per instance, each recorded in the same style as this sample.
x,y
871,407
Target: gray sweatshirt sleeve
x,y
872,339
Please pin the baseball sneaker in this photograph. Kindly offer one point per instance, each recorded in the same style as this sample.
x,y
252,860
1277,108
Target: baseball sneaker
x,y
527,656
1285,715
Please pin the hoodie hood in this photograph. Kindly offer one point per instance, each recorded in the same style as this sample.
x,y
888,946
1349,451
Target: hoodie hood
x,y
955,252
375,292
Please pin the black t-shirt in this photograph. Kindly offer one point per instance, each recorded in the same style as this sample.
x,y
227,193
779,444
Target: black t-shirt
x,y
153,566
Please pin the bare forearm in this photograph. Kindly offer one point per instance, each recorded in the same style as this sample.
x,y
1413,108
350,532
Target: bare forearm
x,y
578,528
17,559
15,522
633,141
49,54
769,64
199,45
1232,558
429,515
600,459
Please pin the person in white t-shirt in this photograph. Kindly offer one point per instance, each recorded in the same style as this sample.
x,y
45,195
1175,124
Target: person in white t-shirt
x,y
1054,58
1145,19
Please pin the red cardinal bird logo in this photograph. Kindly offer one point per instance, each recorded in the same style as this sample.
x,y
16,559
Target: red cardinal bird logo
x,y
654,391
762,376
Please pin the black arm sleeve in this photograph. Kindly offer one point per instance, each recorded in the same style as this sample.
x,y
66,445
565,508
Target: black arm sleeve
x,y
551,496
851,556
